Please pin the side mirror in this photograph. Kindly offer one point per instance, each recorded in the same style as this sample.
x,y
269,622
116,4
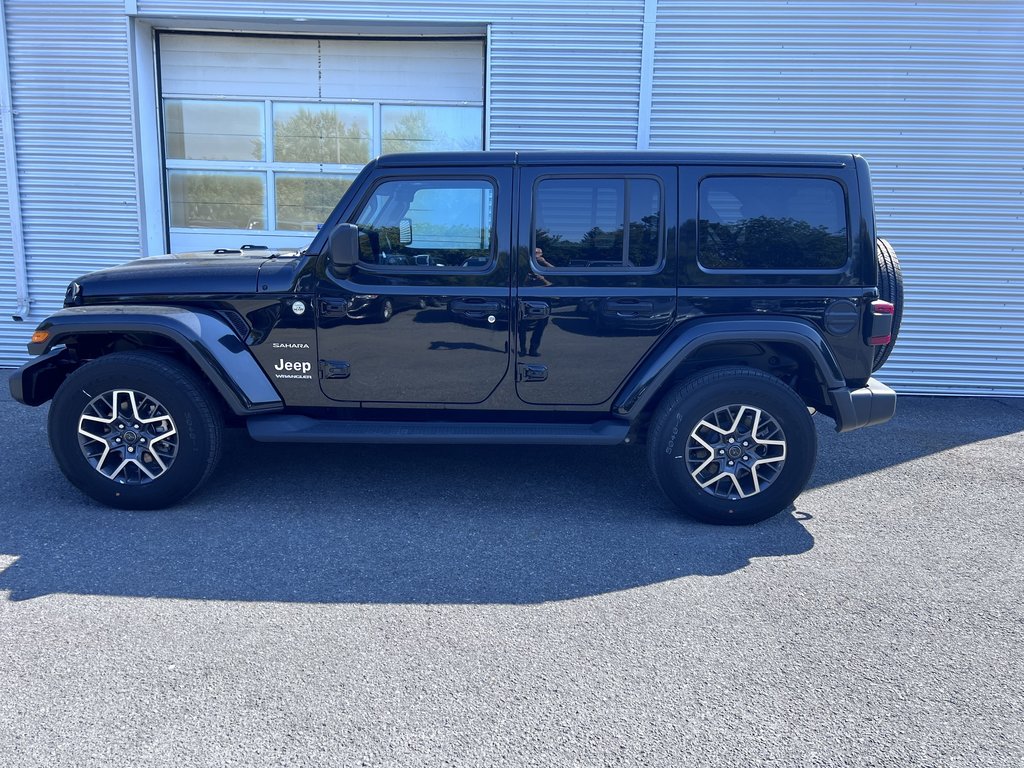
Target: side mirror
x,y
343,246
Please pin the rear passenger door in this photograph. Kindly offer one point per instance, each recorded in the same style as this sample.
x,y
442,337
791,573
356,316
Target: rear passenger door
x,y
595,280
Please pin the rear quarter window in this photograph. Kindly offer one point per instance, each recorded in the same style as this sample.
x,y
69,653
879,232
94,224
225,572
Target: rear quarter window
x,y
772,224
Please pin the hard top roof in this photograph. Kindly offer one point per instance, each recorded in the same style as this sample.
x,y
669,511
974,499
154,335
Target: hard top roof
x,y
617,157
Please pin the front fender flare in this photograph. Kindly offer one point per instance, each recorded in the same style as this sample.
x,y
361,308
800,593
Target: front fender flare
x,y
658,367
207,340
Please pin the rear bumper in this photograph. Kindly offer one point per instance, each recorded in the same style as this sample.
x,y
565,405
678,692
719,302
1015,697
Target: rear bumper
x,y
872,404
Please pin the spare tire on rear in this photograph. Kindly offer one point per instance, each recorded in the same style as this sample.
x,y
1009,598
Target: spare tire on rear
x,y
890,288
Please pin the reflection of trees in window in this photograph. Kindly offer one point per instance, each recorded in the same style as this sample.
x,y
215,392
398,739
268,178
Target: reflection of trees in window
x,y
320,136
595,245
218,201
766,242
644,239
599,222
601,247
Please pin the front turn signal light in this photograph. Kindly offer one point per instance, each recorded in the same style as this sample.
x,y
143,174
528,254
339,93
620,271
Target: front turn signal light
x,y
39,337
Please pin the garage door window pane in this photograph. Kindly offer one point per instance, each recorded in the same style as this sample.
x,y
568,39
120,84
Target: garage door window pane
x,y
431,129
213,130
303,202
211,200
322,133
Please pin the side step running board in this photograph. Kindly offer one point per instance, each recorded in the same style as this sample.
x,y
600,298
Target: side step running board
x,y
280,428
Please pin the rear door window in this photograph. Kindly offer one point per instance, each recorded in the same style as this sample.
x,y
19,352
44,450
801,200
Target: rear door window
x,y
772,224
597,223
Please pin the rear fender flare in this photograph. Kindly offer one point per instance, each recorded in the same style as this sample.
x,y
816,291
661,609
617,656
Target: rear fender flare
x,y
656,369
204,337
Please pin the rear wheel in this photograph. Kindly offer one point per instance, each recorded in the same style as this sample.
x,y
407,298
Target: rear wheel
x,y
135,430
732,446
890,288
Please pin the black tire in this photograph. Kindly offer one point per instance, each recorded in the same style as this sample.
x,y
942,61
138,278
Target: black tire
x,y
890,288
176,411
768,476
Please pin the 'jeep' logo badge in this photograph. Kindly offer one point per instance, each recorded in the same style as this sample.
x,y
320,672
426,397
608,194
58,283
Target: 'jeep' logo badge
x,y
295,369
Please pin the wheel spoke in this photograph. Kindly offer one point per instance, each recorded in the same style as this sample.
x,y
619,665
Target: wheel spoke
x,y
137,434
735,452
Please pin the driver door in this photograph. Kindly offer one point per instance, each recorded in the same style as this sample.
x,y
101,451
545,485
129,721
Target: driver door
x,y
423,317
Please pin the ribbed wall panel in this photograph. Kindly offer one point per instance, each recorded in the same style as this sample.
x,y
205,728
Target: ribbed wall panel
x,y
9,347
564,73
75,137
933,95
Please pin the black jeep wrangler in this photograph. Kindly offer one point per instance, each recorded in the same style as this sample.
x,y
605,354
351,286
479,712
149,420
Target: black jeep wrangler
x,y
702,304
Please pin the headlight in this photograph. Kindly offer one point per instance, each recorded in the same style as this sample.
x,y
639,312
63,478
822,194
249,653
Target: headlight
x,y
73,295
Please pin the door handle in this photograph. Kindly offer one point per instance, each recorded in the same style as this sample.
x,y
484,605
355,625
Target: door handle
x,y
532,310
630,305
334,307
475,305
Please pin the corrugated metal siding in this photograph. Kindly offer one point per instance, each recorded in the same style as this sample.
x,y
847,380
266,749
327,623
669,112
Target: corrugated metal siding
x,y
7,291
933,95
563,74
73,121
9,348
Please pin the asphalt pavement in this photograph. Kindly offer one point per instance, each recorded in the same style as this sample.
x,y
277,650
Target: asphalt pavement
x,y
515,606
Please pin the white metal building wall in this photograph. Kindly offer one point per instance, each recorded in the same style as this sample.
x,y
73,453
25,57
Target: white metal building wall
x,y
9,348
72,101
932,94
7,285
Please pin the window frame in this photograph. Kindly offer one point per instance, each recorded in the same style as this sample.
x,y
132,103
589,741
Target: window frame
x,y
409,269
841,269
656,268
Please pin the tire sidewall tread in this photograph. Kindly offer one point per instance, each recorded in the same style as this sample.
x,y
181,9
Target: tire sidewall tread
x,y
689,401
890,288
198,421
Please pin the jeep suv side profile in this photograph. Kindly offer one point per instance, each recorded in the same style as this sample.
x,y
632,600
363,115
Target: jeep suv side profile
x,y
702,304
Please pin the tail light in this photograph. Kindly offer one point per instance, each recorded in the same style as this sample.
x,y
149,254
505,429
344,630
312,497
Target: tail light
x,y
880,332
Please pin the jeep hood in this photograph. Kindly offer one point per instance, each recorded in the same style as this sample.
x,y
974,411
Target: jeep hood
x,y
175,274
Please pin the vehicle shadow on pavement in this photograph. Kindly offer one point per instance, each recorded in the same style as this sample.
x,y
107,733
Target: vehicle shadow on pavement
x,y
375,524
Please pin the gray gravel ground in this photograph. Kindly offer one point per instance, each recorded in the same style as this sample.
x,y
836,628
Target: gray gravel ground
x,y
519,607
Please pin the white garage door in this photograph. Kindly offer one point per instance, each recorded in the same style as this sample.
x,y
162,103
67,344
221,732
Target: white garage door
x,y
262,135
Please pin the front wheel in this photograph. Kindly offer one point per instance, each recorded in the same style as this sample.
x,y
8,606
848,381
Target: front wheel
x,y
135,430
732,446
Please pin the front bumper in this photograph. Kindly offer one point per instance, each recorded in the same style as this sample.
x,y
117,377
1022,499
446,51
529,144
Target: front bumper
x,y
37,380
871,404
